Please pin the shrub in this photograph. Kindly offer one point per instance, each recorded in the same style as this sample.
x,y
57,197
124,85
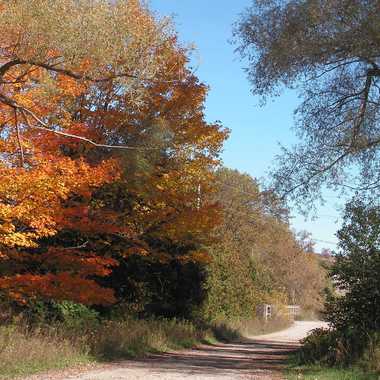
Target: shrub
x,y
318,347
371,357
75,315
334,347
224,332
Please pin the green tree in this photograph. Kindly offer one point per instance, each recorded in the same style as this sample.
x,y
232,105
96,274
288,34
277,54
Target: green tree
x,y
329,51
256,257
356,271
236,284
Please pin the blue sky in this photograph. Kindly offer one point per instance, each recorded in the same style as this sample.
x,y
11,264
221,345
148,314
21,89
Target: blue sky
x,y
256,131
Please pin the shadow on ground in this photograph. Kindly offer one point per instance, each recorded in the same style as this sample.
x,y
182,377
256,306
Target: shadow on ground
x,y
246,358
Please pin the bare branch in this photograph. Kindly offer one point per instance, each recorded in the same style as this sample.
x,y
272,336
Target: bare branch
x,y
19,142
316,174
74,75
8,65
45,127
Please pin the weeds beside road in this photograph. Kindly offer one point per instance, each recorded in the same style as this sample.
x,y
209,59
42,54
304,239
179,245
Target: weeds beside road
x,y
323,373
25,351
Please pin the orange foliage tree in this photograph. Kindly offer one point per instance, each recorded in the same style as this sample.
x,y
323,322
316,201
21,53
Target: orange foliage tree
x,y
162,197
53,54
105,152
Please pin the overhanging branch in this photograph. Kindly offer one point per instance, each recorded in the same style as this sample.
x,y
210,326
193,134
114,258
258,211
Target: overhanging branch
x,y
45,127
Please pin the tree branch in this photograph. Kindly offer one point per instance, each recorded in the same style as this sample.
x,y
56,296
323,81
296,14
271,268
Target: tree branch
x,y
19,142
319,172
45,127
8,65
72,74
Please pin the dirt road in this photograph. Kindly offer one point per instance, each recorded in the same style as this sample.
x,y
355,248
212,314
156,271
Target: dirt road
x,y
258,358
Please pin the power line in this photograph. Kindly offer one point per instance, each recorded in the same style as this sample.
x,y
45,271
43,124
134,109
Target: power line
x,y
329,216
325,241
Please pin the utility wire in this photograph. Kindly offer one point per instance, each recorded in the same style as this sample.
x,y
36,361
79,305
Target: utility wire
x,y
325,241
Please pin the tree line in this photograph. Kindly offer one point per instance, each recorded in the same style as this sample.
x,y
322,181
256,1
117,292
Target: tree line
x,y
112,193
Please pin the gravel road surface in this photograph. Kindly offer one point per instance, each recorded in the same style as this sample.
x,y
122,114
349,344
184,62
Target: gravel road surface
x,y
257,358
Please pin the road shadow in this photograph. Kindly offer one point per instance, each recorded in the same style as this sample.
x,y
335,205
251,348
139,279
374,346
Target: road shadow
x,y
230,360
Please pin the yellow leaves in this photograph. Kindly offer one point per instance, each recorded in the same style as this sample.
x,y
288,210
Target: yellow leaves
x,y
69,86
140,251
197,257
19,239
33,199
24,100
7,228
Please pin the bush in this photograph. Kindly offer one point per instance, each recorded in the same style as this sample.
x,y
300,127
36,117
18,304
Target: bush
x,y
224,332
75,316
371,357
319,347
333,347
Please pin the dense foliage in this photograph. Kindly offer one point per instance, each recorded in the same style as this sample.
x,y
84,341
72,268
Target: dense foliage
x,y
356,271
353,310
111,190
103,145
256,257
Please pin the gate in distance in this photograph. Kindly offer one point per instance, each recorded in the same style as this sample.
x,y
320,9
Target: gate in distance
x,y
266,311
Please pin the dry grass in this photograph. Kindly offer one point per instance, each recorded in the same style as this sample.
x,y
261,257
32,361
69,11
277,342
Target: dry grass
x,y
259,327
26,351
136,338
235,330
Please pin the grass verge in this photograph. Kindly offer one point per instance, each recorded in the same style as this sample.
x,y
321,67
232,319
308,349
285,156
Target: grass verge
x,y
25,351
323,373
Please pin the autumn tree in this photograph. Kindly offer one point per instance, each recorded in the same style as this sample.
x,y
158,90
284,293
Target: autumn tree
x,y
236,281
256,256
163,195
54,55
330,52
295,268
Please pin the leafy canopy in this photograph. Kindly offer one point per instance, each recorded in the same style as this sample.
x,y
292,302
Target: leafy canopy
x,y
53,58
330,52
